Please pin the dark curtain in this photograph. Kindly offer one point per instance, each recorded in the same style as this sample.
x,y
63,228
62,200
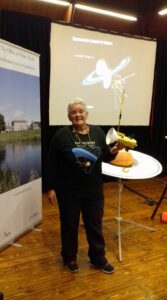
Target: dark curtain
x,y
33,33
159,107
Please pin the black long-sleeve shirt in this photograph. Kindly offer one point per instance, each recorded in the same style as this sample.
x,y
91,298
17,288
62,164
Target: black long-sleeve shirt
x,y
74,175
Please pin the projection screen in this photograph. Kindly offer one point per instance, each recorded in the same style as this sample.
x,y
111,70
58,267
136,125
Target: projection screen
x,y
110,73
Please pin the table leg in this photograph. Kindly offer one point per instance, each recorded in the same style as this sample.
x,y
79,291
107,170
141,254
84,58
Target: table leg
x,y
120,187
119,220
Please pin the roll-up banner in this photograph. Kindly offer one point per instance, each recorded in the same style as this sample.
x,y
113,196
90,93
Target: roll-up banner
x,y
20,142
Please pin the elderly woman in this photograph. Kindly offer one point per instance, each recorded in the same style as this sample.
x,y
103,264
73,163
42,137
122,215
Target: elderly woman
x,y
75,181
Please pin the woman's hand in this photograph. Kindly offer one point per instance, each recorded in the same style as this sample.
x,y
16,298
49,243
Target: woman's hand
x,y
51,196
117,147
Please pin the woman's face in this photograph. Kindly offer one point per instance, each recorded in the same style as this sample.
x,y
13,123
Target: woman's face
x,y
78,115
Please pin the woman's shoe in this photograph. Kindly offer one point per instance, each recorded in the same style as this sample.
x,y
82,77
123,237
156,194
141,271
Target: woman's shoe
x,y
107,268
72,266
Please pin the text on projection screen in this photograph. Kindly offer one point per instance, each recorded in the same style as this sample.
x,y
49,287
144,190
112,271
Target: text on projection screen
x,y
108,72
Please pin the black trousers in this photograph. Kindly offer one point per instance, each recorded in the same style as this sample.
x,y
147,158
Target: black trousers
x,y
92,213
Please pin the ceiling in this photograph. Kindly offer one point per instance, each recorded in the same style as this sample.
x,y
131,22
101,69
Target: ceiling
x,y
42,8
144,10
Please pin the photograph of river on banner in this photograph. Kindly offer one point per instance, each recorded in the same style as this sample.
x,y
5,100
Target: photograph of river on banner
x,y
20,146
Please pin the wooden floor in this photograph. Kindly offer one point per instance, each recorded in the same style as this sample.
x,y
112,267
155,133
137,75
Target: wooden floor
x,y
35,272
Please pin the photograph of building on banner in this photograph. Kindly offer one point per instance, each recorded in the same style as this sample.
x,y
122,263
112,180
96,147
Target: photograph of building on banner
x,y
20,145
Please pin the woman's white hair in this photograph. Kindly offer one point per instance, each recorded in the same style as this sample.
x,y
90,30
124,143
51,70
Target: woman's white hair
x,y
76,101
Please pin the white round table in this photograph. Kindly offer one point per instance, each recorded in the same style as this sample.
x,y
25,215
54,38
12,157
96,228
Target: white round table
x,y
144,167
